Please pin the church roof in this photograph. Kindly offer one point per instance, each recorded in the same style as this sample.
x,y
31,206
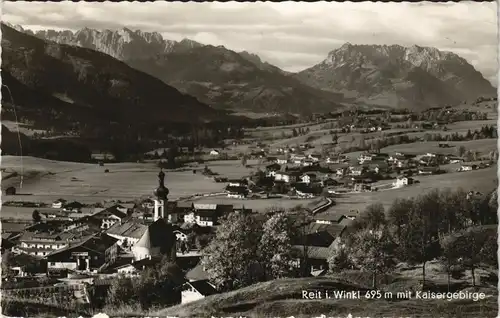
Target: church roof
x,y
158,234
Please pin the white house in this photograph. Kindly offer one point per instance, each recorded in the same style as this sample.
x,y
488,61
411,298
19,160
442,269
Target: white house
x,y
340,172
236,195
357,171
402,181
180,236
195,290
314,157
128,233
281,161
204,215
110,216
58,204
365,157
214,152
305,178
285,176
135,267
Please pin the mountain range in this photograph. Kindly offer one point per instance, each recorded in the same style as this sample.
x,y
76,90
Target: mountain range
x,y
216,76
394,76
70,82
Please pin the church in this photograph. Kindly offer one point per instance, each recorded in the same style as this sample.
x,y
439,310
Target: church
x,y
159,238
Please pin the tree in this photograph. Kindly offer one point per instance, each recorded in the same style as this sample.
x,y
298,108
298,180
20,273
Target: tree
x,y
121,292
7,263
398,215
466,249
276,253
449,257
340,260
244,160
374,216
37,218
488,253
419,242
362,143
373,251
231,258
335,138
461,151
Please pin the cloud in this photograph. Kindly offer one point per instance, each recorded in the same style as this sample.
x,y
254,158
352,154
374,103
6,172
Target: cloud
x,y
290,35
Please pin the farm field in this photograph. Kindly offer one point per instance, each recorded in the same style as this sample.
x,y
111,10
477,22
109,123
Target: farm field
x,y
46,180
260,205
483,146
483,180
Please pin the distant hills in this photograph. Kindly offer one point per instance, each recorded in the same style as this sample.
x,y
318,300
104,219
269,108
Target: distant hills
x,y
413,77
68,82
389,76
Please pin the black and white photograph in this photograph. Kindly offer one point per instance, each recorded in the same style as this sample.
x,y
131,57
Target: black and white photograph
x,y
249,159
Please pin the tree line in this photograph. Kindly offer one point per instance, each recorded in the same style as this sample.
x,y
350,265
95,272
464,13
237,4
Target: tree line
x,y
451,226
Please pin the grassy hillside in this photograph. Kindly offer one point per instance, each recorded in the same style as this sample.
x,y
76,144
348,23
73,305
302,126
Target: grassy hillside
x,y
284,298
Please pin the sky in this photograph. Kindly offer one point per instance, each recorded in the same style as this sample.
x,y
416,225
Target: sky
x,y
290,35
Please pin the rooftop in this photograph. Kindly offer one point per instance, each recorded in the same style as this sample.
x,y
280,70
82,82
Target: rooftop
x,y
132,229
203,287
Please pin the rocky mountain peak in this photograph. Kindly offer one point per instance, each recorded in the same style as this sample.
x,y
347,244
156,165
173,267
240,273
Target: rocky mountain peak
x,y
401,75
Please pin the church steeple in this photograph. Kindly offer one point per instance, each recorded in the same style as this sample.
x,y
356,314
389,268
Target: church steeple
x,y
161,194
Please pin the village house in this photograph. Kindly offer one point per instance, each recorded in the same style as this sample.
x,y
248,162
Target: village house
x,y
467,168
308,177
402,181
58,204
329,182
357,171
287,177
180,236
334,218
147,203
44,238
361,186
314,157
281,160
89,255
332,160
176,210
75,207
51,213
316,246
136,267
237,192
127,233
237,183
365,157
207,214
427,170
309,163
455,160
271,169
341,172
110,216
195,290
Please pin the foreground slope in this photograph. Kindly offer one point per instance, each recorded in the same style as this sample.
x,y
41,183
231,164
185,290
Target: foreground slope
x,y
90,82
284,298
414,77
